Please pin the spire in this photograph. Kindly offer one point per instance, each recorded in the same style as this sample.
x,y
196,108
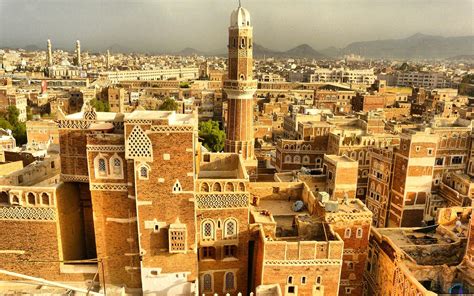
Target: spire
x,y
240,5
78,53
49,54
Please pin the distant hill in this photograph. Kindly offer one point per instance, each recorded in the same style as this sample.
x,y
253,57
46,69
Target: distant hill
x,y
303,51
259,51
463,57
189,51
416,46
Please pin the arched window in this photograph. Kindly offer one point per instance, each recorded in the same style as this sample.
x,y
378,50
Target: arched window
x,y
31,199
216,187
45,199
230,228
15,200
207,230
229,281
359,232
4,198
306,159
241,186
297,159
288,158
229,187
319,279
207,283
204,187
242,77
290,280
101,170
143,172
177,186
116,166
347,233
242,43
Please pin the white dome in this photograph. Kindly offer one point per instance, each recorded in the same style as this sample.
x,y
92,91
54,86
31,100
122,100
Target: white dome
x,y
240,17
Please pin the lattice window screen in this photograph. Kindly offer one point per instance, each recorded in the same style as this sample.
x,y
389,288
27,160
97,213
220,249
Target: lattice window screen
x,y
139,145
177,238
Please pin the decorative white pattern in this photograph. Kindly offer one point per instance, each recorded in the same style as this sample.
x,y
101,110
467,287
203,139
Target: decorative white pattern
x,y
171,128
222,201
108,187
73,124
304,262
138,145
29,213
74,178
105,148
138,121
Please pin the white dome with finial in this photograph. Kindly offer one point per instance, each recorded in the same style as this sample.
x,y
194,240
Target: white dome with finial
x,y
240,17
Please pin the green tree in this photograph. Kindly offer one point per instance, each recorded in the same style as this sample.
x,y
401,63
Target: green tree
x,y
10,121
212,136
169,105
99,105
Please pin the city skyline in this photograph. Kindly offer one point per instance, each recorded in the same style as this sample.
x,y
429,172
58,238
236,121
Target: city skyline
x,y
324,23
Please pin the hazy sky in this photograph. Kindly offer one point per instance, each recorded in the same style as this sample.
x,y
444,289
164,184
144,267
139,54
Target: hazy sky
x,y
168,25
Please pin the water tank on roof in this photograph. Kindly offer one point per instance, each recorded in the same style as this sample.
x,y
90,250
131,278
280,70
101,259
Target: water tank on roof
x,y
297,206
331,206
323,196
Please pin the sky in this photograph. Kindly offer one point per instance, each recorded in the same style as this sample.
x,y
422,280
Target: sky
x,y
171,25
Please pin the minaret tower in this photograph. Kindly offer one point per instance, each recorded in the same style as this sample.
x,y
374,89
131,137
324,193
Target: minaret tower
x,y
50,54
107,61
240,86
78,53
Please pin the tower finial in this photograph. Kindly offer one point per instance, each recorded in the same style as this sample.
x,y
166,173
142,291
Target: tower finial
x,y
240,5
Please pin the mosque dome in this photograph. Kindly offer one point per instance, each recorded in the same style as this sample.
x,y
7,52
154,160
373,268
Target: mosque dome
x,y
65,63
240,17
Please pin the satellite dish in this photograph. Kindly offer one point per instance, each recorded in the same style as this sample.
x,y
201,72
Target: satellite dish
x,y
297,206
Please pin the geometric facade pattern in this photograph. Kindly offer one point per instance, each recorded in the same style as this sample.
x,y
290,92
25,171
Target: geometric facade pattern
x,y
23,213
222,201
138,145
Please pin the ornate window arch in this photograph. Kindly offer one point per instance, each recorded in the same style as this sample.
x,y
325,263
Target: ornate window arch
x,y
241,186
4,199
45,199
229,280
306,159
287,158
100,166
229,187
297,159
217,187
359,232
347,233
31,198
207,283
230,228
208,229
15,200
116,166
204,187
177,186
143,171
138,145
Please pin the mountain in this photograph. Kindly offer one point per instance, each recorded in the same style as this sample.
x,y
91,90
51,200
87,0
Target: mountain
x,y
415,46
189,51
303,51
260,51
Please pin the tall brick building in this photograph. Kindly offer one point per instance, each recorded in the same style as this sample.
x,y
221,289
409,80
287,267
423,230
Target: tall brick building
x,y
240,87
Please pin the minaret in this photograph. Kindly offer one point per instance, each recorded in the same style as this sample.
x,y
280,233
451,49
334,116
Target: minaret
x,y
108,60
50,54
240,86
78,53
